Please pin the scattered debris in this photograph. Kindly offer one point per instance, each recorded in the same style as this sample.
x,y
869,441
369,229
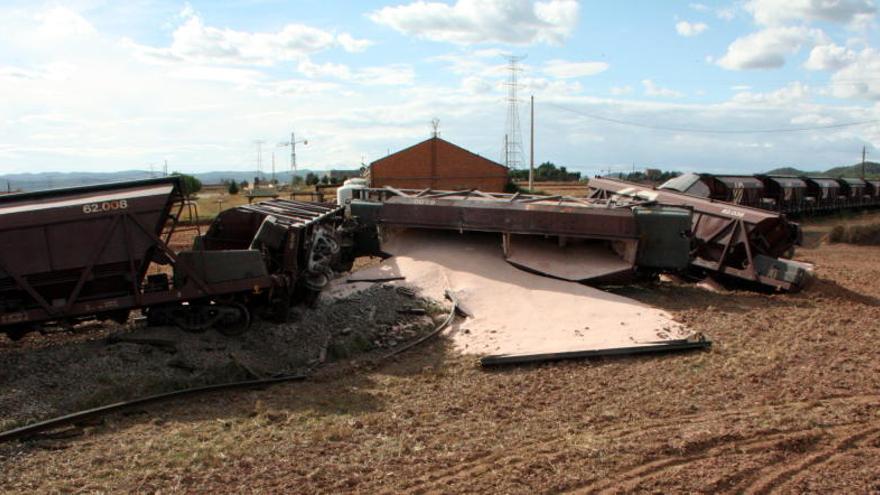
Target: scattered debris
x,y
39,383
374,280
413,311
696,342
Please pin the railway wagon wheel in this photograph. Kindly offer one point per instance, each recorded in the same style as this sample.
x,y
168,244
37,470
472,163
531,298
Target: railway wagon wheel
x,y
235,320
193,318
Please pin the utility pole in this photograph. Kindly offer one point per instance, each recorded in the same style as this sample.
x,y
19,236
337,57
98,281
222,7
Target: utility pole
x,y
864,156
165,169
532,146
273,167
293,153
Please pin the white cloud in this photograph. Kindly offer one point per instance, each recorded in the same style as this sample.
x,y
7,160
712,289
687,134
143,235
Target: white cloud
x,y
550,87
195,42
187,11
767,49
775,12
812,119
861,78
474,62
688,29
726,14
476,85
699,7
518,22
389,75
238,77
829,57
651,89
75,102
61,22
352,45
792,93
563,69
11,72
621,90
310,69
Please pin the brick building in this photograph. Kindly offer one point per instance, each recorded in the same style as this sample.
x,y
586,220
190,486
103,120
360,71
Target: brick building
x,y
438,164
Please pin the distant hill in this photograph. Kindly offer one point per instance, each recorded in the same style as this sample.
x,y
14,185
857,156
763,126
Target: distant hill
x,y
53,180
790,171
872,169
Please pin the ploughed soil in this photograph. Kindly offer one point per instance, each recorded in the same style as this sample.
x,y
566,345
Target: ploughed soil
x,y
787,400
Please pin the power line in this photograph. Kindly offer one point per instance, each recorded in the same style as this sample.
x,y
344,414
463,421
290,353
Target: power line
x,y
713,131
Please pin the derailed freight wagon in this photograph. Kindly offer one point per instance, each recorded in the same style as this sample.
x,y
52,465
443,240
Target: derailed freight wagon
x,y
96,252
562,237
730,240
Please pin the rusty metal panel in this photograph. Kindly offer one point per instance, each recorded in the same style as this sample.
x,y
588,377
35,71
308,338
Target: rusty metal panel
x,y
498,215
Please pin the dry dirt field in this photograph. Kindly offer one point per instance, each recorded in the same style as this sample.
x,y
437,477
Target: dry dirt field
x,y
551,188
785,401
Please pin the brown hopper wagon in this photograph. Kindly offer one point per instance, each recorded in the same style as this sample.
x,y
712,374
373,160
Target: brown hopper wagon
x,y
86,252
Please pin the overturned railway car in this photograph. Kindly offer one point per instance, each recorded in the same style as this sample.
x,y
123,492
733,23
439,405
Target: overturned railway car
x,y
102,251
731,240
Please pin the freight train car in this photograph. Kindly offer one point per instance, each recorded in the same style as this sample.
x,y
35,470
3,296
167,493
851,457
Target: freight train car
x,y
785,194
98,252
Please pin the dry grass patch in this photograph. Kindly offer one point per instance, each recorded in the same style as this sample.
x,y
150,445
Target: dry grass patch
x,y
861,234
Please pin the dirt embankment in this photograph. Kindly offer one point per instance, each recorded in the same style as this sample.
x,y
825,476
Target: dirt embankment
x,y
787,400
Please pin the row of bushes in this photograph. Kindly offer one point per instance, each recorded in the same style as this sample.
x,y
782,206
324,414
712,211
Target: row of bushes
x,y
866,235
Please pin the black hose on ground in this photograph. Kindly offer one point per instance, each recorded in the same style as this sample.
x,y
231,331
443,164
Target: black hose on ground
x,y
80,416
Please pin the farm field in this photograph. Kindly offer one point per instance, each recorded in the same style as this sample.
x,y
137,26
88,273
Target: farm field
x,y
786,400
553,188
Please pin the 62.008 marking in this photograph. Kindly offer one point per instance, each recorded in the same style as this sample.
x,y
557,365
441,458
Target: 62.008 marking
x,y
105,206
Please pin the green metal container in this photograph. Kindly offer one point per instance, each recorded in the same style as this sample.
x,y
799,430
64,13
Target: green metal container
x,y
664,240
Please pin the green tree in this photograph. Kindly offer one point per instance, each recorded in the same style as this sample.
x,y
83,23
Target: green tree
x,y
191,185
311,179
233,188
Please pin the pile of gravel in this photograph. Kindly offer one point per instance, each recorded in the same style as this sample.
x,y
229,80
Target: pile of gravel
x,y
40,383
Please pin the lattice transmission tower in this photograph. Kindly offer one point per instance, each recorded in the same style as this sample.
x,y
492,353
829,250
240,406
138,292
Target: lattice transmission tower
x,y
512,154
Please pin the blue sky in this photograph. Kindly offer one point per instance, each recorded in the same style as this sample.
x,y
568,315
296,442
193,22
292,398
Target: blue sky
x,y
99,85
